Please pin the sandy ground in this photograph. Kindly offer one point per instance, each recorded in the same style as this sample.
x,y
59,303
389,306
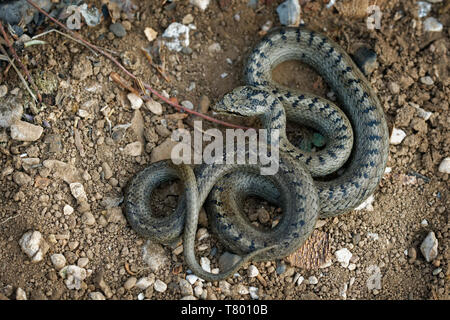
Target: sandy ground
x,y
386,261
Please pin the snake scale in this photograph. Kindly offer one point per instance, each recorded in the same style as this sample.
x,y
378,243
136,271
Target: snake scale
x,y
357,144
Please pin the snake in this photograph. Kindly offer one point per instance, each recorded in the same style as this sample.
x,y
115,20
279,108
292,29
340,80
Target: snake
x,y
359,121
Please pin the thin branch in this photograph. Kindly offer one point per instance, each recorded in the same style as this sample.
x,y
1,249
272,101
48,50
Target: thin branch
x,y
18,72
24,68
9,218
118,64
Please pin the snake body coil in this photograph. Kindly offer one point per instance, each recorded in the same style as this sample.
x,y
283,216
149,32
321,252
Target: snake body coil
x,y
361,124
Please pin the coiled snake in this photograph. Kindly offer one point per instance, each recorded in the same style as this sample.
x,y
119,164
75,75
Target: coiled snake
x,y
357,137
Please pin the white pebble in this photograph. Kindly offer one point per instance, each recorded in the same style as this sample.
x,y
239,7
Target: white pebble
x,y
73,276
313,280
154,106
343,256
224,75
241,289
433,25
20,294
351,266
202,4
34,246
252,271
160,286
150,34
206,264
367,204
429,247
68,210
444,167
253,293
397,136
427,80
145,282
58,260
141,296
192,278
289,13
187,104
424,223
135,100
198,290
77,191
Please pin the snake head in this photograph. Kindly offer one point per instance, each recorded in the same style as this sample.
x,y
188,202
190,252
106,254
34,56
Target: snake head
x,y
244,101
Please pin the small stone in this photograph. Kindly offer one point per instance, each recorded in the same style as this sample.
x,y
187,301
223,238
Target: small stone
x,y
444,167
214,48
115,215
351,266
253,293
394,87
225,287
313,280
188,19
141,296
73,276
192,278
130,283
24,131
427,80
397,136
77,190
366,59
178,250
154,256
135,100
300,280
185,288
437,271
202,4
374,280
163,151
150,34
343,256
154,106
263,215
68,210
118,30
58,260
432,24
189,298
227,260
20,294
289,13
202,233
424,223
252,271
429,247
145,282
96,296
198,291
21,178
133,149
159,286
187,104
33,245
204,104
82,262
412,254
88,218
3,90
206,264
241,289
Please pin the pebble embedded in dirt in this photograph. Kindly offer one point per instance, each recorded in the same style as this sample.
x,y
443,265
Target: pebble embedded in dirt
x,y
133,149
343,256
25,131
34,245
444,166
160,286
73,276
154,256
58,260
429,247
118,29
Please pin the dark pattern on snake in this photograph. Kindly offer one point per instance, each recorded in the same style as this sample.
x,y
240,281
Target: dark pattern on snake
x,y
367,162
359,179
295,193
